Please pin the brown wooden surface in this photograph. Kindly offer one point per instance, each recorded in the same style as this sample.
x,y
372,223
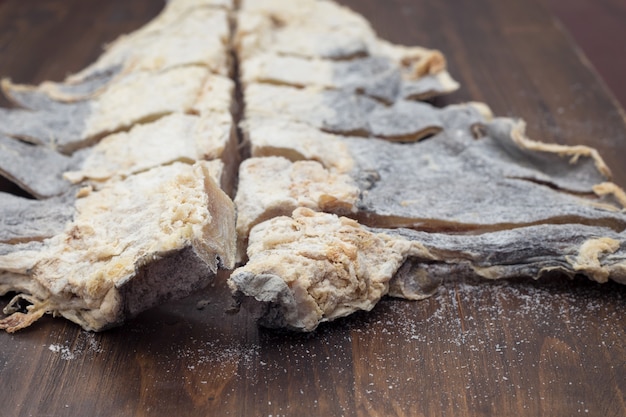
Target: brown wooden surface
x,y
551,348
597,26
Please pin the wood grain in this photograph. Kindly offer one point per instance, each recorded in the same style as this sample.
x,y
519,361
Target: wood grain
x,y
549,348
597,27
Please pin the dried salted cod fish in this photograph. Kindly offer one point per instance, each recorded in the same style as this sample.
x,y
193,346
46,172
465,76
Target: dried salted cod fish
x,y
180,137
29,267
295,141
596,252
315,267
205,133
147,228
185,33
500,180
532,208
177,137
324,45
293,185
36,169
70,126
307,28
343,112
280,130
25,220
182,35
453,181
132,244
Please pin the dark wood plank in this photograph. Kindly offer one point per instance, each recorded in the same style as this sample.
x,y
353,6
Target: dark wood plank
x,y
553,348
597,26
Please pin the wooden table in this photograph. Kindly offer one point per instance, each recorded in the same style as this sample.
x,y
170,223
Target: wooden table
x,y
549,348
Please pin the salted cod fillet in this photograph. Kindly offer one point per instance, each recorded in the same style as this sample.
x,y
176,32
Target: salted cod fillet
x,y
205,132
68,126
170,68
327,46
454,181
129,246
324,102
315,267
180,112
479,199
343,112
185,33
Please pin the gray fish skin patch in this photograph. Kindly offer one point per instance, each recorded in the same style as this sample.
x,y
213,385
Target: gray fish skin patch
x,y
8,248
24,219
424,87
29,98
373,76
578,175
528,252
350,113
56,125
405,121
454,180
37,169
381,78
345,112
90,86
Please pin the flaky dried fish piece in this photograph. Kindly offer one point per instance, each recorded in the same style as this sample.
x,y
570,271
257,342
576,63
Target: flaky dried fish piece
x,y
268,136
174,11
293,185
36,169
343,112
476,175
315,267
194,36
130,245
185,33
423,71
321,44
176,137
45,173
379,77
50,92
69,126
500,180
197,36
596,252
24,219
206,131
308,28
475,172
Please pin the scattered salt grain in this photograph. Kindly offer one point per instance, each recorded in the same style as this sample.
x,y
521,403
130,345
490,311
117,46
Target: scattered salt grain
x,y
66,353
